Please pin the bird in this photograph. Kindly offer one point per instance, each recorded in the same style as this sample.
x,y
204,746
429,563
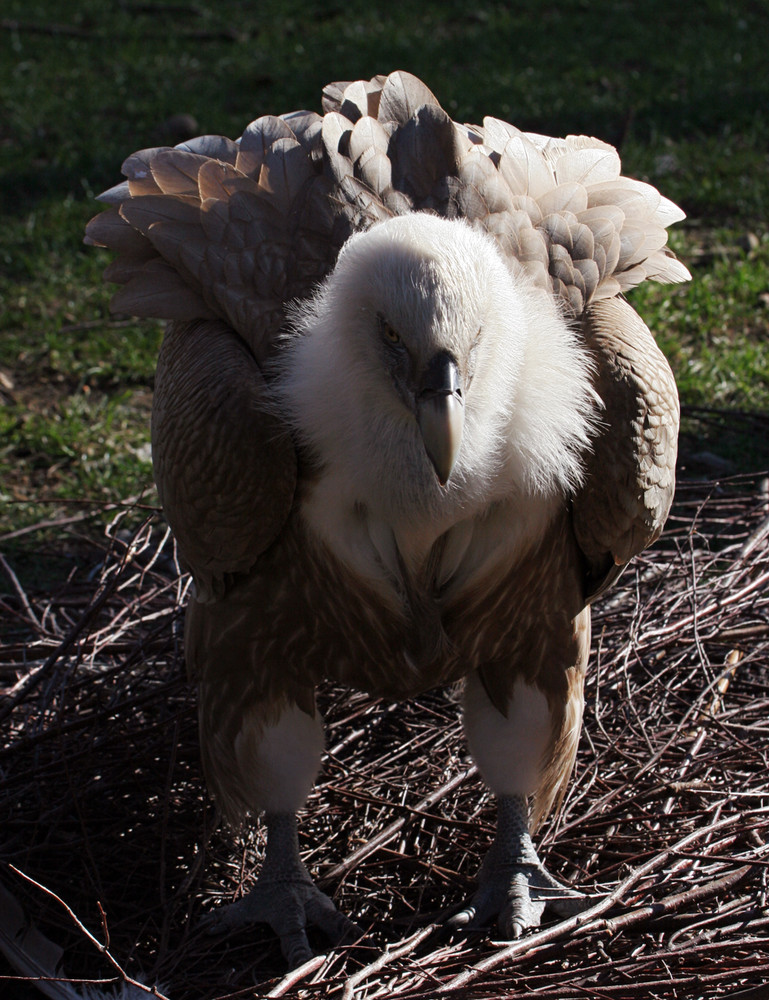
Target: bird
x,y
406,430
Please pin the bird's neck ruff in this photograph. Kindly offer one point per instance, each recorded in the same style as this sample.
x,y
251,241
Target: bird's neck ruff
x,y
529,407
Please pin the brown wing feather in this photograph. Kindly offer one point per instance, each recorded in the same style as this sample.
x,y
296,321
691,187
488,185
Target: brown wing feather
x,y
630,481
225,467
225,226
261,221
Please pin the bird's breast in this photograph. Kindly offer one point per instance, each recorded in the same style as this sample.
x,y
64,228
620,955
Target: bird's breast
x,y
389,604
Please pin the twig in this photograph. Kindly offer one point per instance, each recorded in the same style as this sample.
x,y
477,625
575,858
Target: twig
x,y
297,975
97,507
21,593
722,685
391,831
101,948
718,605
669,904
61,650
391,953
564,927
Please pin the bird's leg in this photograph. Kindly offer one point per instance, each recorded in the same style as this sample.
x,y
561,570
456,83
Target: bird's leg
x,y
513,884
512,749
269,764
285,897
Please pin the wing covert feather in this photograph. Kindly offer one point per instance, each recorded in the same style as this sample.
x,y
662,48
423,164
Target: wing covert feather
x,y
250,225
224,464
628,490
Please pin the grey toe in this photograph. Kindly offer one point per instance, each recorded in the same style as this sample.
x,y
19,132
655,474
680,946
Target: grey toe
x,y
517,897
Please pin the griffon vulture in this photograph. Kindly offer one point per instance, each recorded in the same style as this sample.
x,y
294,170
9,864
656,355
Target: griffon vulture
x,y
405,429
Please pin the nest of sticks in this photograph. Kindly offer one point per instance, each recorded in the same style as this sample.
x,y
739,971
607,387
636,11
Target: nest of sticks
x,y
112,851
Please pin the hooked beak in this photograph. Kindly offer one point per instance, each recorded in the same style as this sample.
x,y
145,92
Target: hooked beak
x,y
441,413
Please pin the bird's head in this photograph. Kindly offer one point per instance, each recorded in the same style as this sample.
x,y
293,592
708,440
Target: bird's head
x,y
407,365
415,303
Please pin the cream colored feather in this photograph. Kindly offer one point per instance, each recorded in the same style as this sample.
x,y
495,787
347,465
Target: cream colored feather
x,y
541,198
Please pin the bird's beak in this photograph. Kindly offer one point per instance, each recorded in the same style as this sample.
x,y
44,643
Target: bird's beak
x,y
441,413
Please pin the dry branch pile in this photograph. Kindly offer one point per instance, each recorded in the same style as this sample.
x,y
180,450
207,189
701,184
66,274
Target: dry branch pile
x,y
666,823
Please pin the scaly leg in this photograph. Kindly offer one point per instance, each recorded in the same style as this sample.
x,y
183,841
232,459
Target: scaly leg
x,y
286,898
270,768
513,884
512,751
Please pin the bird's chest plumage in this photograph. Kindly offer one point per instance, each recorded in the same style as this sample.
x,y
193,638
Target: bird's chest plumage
x,y
403,627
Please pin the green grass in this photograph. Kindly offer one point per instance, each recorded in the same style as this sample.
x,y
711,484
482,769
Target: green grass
x,y
82,85
713,329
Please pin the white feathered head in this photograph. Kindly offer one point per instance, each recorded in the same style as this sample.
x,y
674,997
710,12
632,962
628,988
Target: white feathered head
x,y
428,370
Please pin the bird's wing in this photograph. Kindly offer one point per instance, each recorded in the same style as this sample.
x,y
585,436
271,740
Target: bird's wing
x,y
234,230
575,218
559,207
630,474
217,229
224,464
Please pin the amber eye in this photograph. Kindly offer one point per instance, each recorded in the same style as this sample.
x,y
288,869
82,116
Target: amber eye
x,y
391,334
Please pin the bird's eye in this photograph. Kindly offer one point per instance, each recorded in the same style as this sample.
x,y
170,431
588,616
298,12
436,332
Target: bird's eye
x,y
392,335
389,333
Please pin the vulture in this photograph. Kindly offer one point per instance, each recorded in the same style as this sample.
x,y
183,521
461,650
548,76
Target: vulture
x,y
406,429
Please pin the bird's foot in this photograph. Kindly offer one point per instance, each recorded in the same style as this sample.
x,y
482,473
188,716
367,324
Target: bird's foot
x,y
517,895
289,905
513,885
286,898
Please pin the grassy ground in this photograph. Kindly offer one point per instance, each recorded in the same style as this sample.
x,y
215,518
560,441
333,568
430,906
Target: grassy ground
x,y
83,85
